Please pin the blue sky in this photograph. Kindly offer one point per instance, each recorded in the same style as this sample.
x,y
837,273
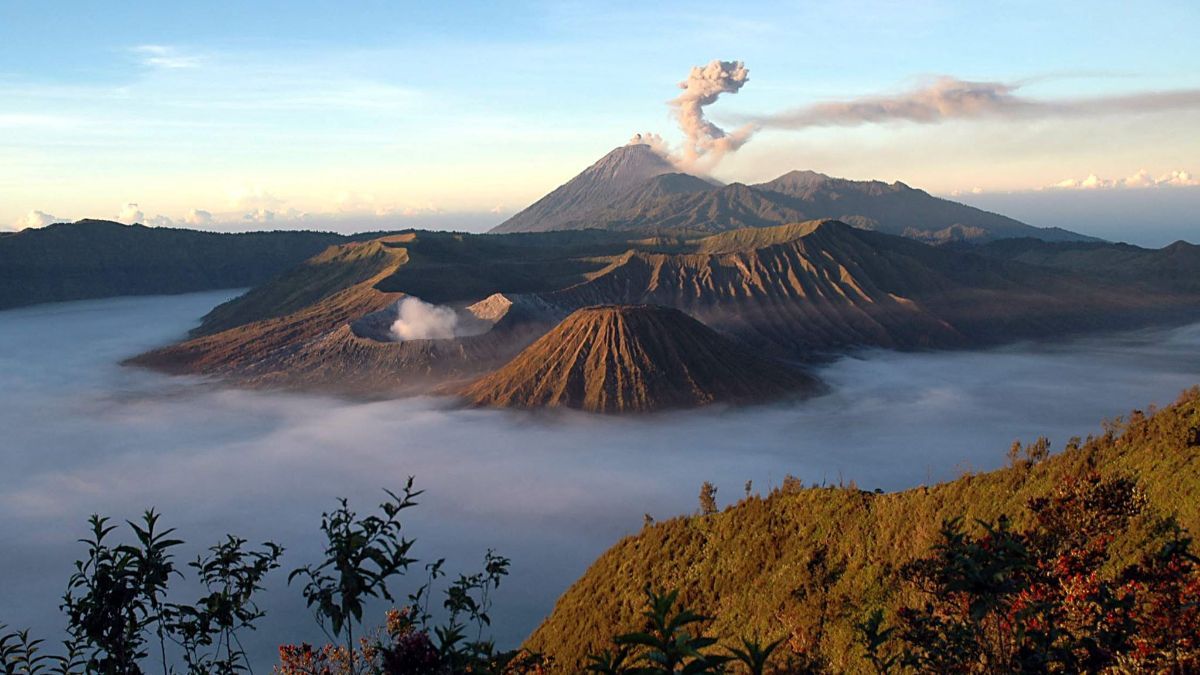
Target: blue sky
x,y
459,113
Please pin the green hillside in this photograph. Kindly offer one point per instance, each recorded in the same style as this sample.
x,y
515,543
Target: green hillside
x,y
811,561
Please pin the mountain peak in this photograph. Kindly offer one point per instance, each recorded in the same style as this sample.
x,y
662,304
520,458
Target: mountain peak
x,y
803,177
628,166
635,358
614,175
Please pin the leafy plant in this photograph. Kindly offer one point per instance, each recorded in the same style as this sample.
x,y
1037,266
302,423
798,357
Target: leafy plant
x,y
361,556
875,638
208,631
754,655
116,596
666,644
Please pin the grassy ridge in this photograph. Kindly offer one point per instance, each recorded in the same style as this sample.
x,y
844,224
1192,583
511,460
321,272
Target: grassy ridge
x,y
748,566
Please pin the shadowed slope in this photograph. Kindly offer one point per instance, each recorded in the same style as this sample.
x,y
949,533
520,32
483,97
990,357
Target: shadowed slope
x,y
895,208
98,259
615,359
1171,268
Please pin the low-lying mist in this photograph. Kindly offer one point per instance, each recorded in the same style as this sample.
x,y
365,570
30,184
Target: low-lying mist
x,y
551,491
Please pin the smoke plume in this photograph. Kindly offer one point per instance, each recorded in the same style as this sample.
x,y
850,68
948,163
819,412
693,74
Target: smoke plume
x,y
419,320
705,143
949,98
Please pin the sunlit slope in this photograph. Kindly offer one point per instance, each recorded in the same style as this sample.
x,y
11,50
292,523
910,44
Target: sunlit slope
x,y
615,359
744,565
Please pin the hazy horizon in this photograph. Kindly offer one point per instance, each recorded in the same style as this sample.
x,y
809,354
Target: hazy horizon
x,y
1149,217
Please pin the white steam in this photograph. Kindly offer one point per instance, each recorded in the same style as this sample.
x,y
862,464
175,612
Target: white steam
x,y
419,320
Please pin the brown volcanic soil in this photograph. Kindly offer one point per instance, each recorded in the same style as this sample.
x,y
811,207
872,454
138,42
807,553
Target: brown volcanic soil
x,y
617,359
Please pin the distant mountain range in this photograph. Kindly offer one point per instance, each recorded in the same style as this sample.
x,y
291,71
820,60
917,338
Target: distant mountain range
x,y
98,258
728,273
633,188
794,293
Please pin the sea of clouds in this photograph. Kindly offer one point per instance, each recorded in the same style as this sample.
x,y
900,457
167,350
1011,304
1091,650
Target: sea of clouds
x,y
551,491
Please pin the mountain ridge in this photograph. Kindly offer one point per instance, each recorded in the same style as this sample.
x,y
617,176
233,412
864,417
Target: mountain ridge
x,y
97,258
801,292
597,199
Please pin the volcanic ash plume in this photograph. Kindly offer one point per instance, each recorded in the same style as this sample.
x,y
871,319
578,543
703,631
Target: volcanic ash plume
x,y
419,320
706,142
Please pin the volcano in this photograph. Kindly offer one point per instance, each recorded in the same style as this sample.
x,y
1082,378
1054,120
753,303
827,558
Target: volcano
x,y
635,358
633,188
615,175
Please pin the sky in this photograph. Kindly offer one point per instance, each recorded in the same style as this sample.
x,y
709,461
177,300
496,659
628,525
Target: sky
x,y
387,114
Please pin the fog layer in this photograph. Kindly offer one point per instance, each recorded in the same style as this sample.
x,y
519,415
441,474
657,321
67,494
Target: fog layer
x,y
551,491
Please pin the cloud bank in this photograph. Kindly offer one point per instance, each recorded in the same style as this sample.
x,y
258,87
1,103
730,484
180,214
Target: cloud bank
x,y
550,491
1141,179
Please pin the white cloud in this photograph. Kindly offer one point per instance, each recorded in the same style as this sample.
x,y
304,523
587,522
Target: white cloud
x,y
160,221
130,213
254,199
162,56
1140,179
198,217
1178,178
36,219
259,216
348,201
